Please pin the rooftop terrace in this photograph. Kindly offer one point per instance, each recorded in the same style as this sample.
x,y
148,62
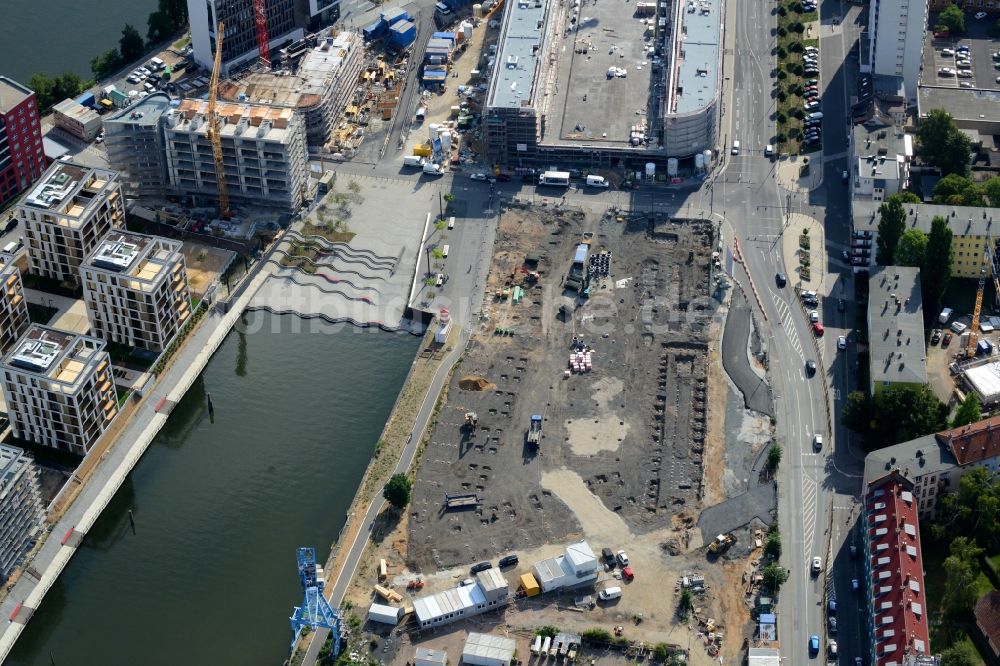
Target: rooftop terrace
x,y
141,257
249,121
53,354
67,189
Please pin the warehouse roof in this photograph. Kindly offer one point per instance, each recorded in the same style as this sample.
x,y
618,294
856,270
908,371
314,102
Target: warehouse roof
x,y
491,580
964,104
518,58
488,646
985,380
697,56
449,601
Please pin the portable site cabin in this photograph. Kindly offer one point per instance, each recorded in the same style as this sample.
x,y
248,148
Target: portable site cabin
x,y
427,657
530,585
384,614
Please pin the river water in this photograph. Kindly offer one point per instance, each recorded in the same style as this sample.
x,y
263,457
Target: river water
x,y
209,577
56,36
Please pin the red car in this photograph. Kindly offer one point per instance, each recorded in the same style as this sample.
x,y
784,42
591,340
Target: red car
x,y
946,340
818,329
627,573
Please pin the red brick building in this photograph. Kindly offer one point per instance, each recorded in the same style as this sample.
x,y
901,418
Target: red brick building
x,y
22,159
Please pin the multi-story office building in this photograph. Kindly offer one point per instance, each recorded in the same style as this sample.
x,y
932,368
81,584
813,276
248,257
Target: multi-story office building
x,y
897,29
893,579
66,214
59,389
21,508
136,290
264,152
134,140
896,328
22,159
13,306
239,44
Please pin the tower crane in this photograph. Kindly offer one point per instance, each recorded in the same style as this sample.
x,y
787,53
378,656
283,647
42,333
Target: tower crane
x,y
990,263
315,611
214,126
260,18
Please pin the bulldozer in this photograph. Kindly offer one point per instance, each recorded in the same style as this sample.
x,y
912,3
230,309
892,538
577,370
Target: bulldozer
x,y
721,543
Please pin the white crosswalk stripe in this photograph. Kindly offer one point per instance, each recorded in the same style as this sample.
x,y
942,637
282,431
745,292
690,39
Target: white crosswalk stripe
x,y
785,315
809,493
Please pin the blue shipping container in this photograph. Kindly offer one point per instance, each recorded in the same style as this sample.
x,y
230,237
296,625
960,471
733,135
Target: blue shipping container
x,y
374,30
450,36
403,34
86,99
392,16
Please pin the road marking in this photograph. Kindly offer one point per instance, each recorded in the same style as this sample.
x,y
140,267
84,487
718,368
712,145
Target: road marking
x,y
785,316
809,494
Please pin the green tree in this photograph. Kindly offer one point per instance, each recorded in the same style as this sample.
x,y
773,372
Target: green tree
x,y
906,411
50,91
957,190
397,490
911,249
970,411
106,64
131,45
991,189
774,576
160,26
685,602
953,18
891,225
961,571
772,546
857,413
972,509
942,144
774,457
906,197
935,274
960,654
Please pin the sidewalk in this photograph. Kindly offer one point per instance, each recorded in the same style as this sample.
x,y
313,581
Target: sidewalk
x,y
817,252
68,532
789,173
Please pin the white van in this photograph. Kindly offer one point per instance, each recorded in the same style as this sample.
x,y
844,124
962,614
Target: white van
x,y
768,150
10,248
444,251
413,161
451,222
443,8
736,148
440,279
596,181
609,593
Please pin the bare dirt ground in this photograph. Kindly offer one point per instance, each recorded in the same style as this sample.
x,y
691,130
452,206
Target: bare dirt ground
x,y
203,263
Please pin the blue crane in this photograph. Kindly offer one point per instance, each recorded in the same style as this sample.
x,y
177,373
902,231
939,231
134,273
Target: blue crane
x,y
315,611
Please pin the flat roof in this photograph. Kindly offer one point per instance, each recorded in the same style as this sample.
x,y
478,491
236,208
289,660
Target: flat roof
x,y
696,57
138,256
448,601
896,326
518,60
962,220
146,111
763,657
73,109
964,104
250,121
488,646
12,461
60,188
53,354
12,93
985,380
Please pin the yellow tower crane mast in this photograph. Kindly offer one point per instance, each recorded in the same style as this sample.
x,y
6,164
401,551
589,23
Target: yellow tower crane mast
x,y
989,264
214,127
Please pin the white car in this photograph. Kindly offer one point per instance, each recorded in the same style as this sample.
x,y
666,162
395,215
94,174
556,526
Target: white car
x,y
980,15
965,84
479,176
818,444
947,52
817,565
622,558
814,316
842,342
946,71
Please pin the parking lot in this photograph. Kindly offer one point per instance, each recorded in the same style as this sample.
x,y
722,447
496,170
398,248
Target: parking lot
x,y
944,53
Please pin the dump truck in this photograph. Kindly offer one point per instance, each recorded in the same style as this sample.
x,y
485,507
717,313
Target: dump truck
x,y
535,430
721,543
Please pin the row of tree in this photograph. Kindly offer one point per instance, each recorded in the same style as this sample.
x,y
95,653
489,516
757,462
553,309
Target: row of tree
x,y
958,190
169,17
943,144
897,413
931,253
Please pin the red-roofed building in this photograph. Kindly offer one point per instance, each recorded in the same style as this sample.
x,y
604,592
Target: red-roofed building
x,y
976,443
988,619
893,580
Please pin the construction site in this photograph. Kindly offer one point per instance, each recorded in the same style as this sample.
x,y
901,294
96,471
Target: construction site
x,y
586,406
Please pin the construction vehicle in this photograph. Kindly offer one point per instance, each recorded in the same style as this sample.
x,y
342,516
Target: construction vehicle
x,y
721,543
970,349
263,44
214,126
471,420
534,430
415,584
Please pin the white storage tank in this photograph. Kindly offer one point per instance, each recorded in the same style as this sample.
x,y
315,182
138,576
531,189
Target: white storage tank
x,y
699,162
432,131
446,142
477,10
707,156
650,170
671,167
467,31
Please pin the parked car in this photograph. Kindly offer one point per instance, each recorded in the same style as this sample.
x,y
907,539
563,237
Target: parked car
x,y
482,566
980,15
855,586
609,556
831,606
814,645
946,340
947,52
842,342
854,551
622,558
831,626
946,71
832,649
814,316
508,561
818,329
627,573
965,84
479,176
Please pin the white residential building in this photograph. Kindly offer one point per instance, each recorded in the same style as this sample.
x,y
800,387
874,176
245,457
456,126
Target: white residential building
x,y
13,306
136,290
897,29
264,153
21,508
65,214
59,389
